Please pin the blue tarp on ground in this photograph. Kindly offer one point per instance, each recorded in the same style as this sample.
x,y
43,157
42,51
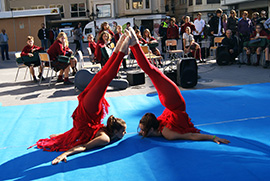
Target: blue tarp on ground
x,y
239,113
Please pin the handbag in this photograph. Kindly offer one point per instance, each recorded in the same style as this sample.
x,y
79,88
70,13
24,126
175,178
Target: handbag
x,y
63,58
33,59
153,45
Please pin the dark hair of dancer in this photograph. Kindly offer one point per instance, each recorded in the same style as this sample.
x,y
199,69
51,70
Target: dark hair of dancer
x,y
149,120
114,124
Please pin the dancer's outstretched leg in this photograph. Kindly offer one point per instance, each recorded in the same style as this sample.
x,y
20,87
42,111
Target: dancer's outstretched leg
x,y
106,66
168,92
93,98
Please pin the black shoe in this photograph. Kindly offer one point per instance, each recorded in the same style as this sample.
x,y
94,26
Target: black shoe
x,y
266,64
60,80
35,79
41,77
73,73
68,82
8,58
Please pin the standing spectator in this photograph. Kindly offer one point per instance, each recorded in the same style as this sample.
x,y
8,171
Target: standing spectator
x,y
232,23
267,26
57,31
43,35
142,28
4,44
224,22
91,43
51,35
230,43
105,27
216,24
163,33
114,28
258,33
173,32
262,18
244,28
128,25
28,51
187,24
77,32
118,33
199,26
254,19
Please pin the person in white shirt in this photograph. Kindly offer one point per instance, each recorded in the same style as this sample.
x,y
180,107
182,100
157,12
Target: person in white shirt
x,y
199,25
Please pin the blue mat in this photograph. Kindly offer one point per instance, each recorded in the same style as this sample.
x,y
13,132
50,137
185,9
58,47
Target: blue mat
x,y
239,113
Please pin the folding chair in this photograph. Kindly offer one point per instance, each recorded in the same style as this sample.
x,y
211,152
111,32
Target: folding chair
x,y
46,63
90,54
217,41
149,55
92,67
20,65
173,54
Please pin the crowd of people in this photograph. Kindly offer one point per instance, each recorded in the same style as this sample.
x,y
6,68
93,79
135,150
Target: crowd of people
x,y
240,34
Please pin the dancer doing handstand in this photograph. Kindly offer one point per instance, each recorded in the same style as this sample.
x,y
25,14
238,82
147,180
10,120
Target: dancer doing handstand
x,y
174,123
88,132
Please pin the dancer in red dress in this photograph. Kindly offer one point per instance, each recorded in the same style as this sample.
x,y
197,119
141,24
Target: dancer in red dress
x,y
174,123
88,132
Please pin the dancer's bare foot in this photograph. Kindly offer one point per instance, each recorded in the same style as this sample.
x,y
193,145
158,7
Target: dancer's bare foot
x,y
126,43
133,37
119,43
53,135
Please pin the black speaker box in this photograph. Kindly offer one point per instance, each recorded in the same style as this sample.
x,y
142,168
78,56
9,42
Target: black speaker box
x,y
135,78
172,74
187,72
223,56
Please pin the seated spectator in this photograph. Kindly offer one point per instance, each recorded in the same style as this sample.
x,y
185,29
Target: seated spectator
x,y
29,51
267,55
190,46
230,43
60,47
257,34
152,42
91,43
140,38
118,33
103,41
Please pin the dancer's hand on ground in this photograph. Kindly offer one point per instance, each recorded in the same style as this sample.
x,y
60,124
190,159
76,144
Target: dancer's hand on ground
x,y
220,140
133,37
59,159
119,43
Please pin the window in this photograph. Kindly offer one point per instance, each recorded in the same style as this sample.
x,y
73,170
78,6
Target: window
x,y
104,10
213,1
190,3
78,10
127,4
16,8
61,8
137,4
147,4
198,2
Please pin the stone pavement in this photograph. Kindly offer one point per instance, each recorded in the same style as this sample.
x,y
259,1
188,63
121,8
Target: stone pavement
x,y
24,92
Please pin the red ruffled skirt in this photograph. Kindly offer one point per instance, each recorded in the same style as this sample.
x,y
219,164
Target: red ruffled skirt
x,y
177,121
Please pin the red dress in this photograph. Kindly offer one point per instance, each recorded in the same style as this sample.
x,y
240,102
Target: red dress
x,y
87,117
174,116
